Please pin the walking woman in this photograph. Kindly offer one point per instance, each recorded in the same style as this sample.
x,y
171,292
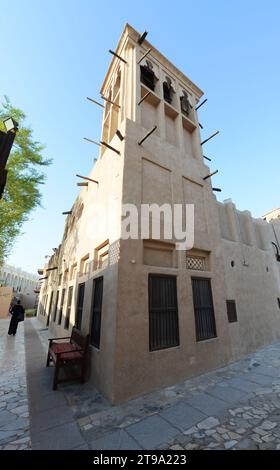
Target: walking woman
x,y
17,316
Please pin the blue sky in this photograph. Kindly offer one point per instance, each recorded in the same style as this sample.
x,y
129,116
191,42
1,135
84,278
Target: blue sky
x,y
54,54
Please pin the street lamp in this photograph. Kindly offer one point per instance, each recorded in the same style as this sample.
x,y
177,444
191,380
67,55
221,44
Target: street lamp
x,y
10,124
6,142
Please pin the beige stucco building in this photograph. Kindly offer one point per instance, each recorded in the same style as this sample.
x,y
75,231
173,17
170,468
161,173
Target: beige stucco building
x,y
15,283
275,214
158,315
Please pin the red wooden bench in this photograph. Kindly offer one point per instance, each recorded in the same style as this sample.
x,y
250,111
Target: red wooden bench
x,y
66,354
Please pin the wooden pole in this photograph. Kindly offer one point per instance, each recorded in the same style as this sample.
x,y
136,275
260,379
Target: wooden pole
x,y
201,104
217,189
109,101
95,102
82,184
207,158
211,174
109,147
147,135
144,97
92,141
211,137
67,212
144,55
142,37
117,55
88,179
51,269
119,134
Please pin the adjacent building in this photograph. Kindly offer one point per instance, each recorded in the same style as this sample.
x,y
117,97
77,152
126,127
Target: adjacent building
x,y
157,315
17,284
272,215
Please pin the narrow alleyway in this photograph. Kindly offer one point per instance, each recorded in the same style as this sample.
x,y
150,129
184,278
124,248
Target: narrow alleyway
x,y
235,407
14,416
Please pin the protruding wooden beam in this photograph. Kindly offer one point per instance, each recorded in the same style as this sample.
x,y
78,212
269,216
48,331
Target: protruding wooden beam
x,y
211,174
82,184
144,97
110,147
217,189
147,135
88,179
95,102
207,158
211,137
66,212
51,269
109,101
200,125
142,37
201,104
92,141
117,55
42,278
119,134
144,55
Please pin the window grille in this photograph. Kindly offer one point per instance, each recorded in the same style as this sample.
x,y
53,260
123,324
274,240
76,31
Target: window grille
x,y
196,263
68,310
231,311
163,312
203,309
96,312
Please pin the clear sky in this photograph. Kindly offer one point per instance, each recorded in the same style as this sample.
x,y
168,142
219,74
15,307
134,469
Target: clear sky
x,y
54,53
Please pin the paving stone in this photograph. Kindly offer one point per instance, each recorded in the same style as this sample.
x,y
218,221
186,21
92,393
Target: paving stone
x,y
20,410
256,438
242,384
64,437
268,425
87,427
233,435
82,447
240,430
49,400
207,404
210,432
10,447
230,444
208,423
273,372
212,445
268,438
228,394
84,421
182,416
191,446
260,431
117,440
152,432
50,418
258,378
217,437
6,436
177,447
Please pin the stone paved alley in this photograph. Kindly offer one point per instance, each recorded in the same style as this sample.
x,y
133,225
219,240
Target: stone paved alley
x,y
235,407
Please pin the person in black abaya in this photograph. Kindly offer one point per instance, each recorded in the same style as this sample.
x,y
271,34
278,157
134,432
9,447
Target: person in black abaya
x,y
17,316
